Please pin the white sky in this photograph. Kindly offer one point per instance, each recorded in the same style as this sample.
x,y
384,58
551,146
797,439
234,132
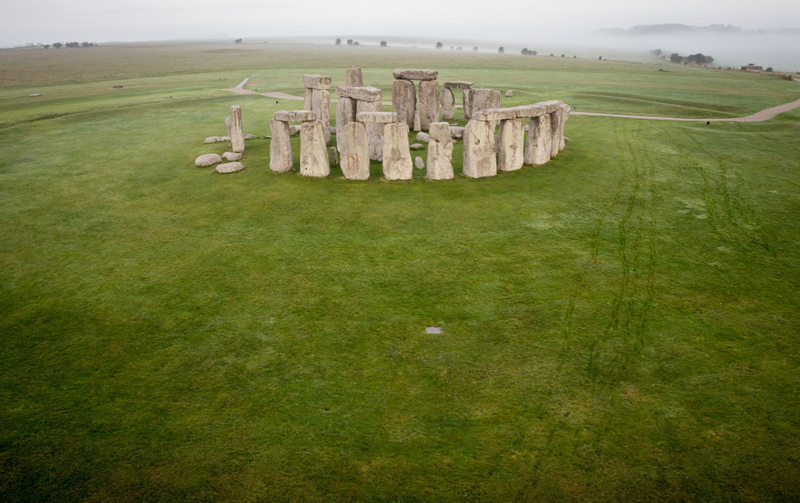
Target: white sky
x,y
47,21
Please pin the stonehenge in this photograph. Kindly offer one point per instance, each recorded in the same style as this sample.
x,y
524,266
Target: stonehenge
x,y
449,99
477,99
375,119
404,97
404,101
318,100
354,100
281,158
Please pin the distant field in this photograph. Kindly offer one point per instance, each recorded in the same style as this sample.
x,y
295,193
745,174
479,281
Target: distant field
x,y
620,324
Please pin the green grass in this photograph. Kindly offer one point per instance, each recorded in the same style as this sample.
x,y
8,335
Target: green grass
x,y
620,324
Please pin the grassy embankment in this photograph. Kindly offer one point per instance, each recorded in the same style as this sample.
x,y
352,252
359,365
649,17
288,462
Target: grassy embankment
x,y
620,324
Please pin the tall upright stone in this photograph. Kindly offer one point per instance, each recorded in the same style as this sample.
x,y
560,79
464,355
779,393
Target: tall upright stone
x,y
440,152
307,99
538,145
448,104
479,150
555,133
321,106
429,97
511,145
396,153
237,136
281,157
404,101
313,152
417,123
354,151
467,104
565,110
354,77
345,114
374,129
481,99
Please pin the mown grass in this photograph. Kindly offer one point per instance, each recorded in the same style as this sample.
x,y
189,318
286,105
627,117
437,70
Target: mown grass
x,y
619,324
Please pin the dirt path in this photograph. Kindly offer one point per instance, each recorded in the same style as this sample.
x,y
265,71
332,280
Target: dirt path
x,y
763,115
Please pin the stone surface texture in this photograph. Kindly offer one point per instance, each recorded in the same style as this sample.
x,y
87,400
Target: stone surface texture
x,y
307,99
496,114
509,93
374,130
314,81
293,130
419,163
237,136
354,78
537,146
456,132
440,152
333,159
354,151
467,103
423,137
396,155
217,139
511,145
404,101
565,110
550,106
417,146
416,74
345,114
207,160
458,84
230,167
231,156
228,125
555,132
448,104
313,152
479,150
528,111
417,123
249,136
363,93
295,116
429,96
281,157
321,106
377,117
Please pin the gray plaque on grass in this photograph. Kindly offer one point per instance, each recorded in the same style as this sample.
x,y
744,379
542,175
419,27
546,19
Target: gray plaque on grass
x,y
433,330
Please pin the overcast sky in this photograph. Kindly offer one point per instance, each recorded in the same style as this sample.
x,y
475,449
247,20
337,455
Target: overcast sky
x,y
47,21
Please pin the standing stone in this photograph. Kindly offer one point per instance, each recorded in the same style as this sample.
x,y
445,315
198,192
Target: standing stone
x,y
479,150
228,125
440,152
354,77
354,150
237,136
334,159
481,99
313,153
307,99
404,101
448,104
417,122
537,147
321,106
345,114
429,97
374,130
281,157
467,104
511,152
419,163
555,132
565,110
396,154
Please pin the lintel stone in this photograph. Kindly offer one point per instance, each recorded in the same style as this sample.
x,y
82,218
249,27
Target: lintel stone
x,y
416,74
377,117
295,116
315,81
458,84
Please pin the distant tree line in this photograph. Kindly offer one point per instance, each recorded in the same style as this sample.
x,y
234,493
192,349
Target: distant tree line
x,y
699,59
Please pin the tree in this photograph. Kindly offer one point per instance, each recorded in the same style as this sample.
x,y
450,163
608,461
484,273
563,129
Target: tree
x,y
769,69
338,41
439,45
675,57
452,47
88,44
525,52
534,53
72,45
46,46
501,50
356,43
475,49
383,43
574,57
552,55
656,52
459,48
349,41
600,58
58,45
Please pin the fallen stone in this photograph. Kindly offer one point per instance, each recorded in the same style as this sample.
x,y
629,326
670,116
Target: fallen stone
x,y
217,139
281,157
511,150
230,167
396,156
429,96
417,146
374,130
419,163
354,78
538,146
404,101
423,137
207,160
458,84
354,150
333,159
249,136
377,117
448,104
440,152
321,106
313,153
295,116
509,93
345,114
231,156
416,74
456,132
316,82
237,135
364,93
417,122
566,139
480,159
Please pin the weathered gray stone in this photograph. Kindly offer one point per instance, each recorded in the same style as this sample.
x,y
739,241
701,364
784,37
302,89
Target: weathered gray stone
x,y
207,160
333,159
479,150
217,139
509,93
419,163
345,114
281,157
237,136
550,106
528,111
511,151
498,101
458,84
478,100
228,125
417,146
314,81
496,142
307,99
496,114
295,116
231,167
440,152
416,74
293,130
396,155
249,136
565,110
231,156
354,150
423,137
321,106
429,96
377,117
555,132
364,93
374,130
537,146
404,101
354,78
456,132
313,153
417,122
448,104
467,103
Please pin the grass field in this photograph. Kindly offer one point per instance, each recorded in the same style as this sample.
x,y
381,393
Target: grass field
x,y
620,324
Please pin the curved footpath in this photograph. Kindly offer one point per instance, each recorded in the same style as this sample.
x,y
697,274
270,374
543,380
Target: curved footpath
x,y
763,115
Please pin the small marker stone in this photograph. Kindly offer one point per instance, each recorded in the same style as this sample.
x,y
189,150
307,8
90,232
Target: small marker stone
x,y
433,330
